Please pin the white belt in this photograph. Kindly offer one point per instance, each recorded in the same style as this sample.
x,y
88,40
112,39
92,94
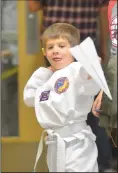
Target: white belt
x,y
60,145
59,135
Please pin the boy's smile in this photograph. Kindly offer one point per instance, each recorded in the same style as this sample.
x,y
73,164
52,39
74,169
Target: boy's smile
x,y
57,53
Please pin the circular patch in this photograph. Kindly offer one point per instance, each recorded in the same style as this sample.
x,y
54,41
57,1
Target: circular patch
x,y
61,85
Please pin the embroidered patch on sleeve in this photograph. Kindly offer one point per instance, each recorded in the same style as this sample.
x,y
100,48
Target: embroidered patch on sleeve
x,y
44,96
61,85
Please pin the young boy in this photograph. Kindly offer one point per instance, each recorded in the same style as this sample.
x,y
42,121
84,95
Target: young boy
x,y
62,95
83,14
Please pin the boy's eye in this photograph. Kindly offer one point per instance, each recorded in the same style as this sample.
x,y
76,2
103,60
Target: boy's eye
x,y
61,46
50,47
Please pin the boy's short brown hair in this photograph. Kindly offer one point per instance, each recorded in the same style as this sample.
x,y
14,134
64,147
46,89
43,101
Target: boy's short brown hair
x,y
63,30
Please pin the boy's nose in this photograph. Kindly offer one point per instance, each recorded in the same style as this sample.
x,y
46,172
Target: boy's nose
x,y
55,50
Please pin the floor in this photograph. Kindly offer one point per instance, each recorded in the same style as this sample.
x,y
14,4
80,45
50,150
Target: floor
x,y
20,157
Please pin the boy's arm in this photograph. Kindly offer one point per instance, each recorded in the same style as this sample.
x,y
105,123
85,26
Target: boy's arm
x,y
97,104
89,86
38,79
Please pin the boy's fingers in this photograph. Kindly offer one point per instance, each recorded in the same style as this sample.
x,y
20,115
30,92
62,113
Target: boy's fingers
x,y
96,108
98,105
95,114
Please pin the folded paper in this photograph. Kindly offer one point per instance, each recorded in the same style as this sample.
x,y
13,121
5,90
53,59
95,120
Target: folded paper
x,y
86,54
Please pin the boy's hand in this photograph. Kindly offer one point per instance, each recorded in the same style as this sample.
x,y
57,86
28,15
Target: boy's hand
x,y
51,68
97,105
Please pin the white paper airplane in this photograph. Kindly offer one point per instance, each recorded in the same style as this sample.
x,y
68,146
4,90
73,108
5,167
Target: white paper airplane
x,y
86,54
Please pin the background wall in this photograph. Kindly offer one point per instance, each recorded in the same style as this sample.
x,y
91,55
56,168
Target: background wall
x,y
19,152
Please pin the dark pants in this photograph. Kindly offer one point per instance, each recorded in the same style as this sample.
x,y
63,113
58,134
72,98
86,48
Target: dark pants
x,y
102,142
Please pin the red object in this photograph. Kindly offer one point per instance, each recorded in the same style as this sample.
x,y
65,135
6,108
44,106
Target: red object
x,y
110,6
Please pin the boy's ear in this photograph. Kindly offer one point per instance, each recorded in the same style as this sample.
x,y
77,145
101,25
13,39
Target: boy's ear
x,y
43,50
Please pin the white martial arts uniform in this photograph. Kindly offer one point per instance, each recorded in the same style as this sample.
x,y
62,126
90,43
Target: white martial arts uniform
x,y
62,101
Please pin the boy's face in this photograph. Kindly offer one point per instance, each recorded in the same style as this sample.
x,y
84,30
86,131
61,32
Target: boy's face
x,y
57,53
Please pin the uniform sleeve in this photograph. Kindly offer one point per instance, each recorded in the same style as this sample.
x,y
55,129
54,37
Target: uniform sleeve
x,y
38,79
88,86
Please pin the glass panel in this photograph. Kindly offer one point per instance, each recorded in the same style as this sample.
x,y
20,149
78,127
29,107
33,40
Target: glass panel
x,y
9,64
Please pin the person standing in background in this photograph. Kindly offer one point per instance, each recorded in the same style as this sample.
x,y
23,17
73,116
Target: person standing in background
x,y
79,13
108,114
